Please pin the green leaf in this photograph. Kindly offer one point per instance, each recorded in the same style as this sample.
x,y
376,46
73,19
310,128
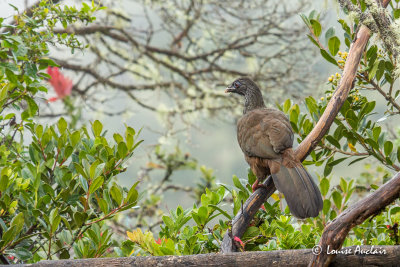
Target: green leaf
x,y
97,128
92,169
54,219
337,161
396,13
372,72
83,183
337,199
305,19
238,184
316,26
9,235
32,106
324,185
381,70
80,218
376,132
11,76
329,33
313,40
251,232
18,221
374,186
116,194
326,206
222,211
3,182
388,147
62,125
343,184
103,205
398,153
334,45
118,138
333,141
97,182
372,52
122,150
168,222
328,168
203,213
80,170
75,137
328,57
68,151
39,130
132,194
21,253
287,105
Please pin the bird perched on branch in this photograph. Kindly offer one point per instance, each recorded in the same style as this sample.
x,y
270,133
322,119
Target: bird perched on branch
x,y
266,139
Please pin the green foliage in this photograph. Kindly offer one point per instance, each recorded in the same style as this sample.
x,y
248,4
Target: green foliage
x,y
272,227
56,184
61,187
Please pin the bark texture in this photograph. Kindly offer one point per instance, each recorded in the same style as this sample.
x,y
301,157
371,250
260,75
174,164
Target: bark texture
x,y
276,258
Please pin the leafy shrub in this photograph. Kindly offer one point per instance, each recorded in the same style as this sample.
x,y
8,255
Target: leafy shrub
x,y
56,190
272,227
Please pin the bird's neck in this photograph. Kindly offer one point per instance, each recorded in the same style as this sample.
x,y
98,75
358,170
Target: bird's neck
x,y
253,100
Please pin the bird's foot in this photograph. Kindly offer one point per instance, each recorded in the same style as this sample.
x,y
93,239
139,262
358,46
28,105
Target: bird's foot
x,y
257,185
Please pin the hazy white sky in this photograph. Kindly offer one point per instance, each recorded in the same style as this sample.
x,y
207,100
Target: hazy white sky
x,y
6,10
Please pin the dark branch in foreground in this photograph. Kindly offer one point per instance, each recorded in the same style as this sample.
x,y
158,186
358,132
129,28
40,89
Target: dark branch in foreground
x,y
285,258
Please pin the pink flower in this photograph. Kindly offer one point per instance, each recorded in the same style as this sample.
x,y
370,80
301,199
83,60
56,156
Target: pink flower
x,y
159,240
237,239
61,84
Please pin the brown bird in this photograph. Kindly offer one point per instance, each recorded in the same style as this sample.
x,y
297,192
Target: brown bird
x,y
266,139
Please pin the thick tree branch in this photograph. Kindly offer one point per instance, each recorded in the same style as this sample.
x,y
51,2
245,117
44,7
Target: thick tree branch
x,y
284,258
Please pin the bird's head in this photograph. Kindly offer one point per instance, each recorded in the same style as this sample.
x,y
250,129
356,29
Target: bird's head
x,y
246,87
242,86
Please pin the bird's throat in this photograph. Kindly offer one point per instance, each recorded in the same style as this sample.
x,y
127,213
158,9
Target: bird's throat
x,y
253,100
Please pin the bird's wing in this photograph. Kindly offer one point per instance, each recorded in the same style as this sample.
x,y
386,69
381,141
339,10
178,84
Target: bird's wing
x,y
264,133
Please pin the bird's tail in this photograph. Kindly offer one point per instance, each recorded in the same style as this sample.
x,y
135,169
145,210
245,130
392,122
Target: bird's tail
x,y
301,193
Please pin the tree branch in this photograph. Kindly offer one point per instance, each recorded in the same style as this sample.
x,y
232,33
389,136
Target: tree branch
x,y
278,258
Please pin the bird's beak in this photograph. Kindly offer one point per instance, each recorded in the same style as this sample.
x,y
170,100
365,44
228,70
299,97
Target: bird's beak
x,y
229,89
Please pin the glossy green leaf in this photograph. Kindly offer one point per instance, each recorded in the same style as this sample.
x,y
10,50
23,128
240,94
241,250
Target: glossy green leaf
x,y
62,125
116,194
328,57
334,45
326,206
388,148
329,33
96,184
337,199
324,186
316,27
97,128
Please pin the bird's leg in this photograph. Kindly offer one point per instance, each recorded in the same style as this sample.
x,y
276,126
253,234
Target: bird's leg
x,y
257,185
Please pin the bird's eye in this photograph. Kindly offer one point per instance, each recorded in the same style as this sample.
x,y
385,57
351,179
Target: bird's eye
x,y
236,84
